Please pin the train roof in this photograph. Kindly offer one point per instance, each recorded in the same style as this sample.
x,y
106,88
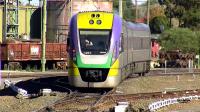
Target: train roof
x,y
138,26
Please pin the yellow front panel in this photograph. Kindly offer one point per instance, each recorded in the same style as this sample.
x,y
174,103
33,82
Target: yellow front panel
x,y
73,69
114,69
84,18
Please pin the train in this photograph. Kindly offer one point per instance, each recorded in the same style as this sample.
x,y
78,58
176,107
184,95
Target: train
x,y
104,49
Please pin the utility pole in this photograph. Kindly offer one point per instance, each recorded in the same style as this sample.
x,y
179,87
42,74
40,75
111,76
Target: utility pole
x,y
136,10
120,9
148,11
43,61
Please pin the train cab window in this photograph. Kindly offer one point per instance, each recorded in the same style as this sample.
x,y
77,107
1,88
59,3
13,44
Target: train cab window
x,y
121,43
94,42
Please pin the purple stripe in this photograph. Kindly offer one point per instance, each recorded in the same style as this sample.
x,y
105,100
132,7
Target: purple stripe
x,y
73,34
116,33
0,66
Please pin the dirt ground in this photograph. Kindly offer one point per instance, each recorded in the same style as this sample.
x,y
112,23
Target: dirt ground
x,y
9,103
159,84
13,104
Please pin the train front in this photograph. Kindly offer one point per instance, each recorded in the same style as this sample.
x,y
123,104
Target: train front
x,y
94,50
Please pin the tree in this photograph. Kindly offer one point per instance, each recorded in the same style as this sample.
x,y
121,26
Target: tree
x,y
156,10
159,24
198,36
192,19
128,13
180,8
182,39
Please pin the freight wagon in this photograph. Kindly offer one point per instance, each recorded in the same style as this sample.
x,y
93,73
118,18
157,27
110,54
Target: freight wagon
x,y
27,55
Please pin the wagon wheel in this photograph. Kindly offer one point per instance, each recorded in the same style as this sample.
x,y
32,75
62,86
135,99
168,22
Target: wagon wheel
x,y
5,66
54,67
10,66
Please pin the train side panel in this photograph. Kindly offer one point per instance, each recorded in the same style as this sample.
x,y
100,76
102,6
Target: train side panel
x,y
135,57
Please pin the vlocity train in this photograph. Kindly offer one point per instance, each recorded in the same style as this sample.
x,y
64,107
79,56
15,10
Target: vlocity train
x,y
104,49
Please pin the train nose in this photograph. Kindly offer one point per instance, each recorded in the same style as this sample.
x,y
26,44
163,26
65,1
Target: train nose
x,y
93,75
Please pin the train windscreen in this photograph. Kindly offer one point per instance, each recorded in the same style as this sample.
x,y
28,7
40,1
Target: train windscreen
x,y
94,42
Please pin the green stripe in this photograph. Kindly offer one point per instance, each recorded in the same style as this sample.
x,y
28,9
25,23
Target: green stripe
x,y
82,65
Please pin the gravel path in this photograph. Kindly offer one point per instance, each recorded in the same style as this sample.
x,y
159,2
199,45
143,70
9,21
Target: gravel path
x,y
12,104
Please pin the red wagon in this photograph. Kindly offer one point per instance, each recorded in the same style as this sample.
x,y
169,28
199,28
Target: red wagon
x,y
28,54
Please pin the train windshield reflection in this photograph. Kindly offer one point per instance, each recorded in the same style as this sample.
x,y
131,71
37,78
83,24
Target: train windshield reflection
x,y
93,42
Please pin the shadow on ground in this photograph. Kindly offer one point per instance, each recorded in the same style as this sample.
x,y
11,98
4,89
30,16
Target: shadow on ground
x,y
56,84
33,86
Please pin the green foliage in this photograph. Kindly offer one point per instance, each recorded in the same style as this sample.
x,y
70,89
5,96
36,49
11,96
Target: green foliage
x,y
182,39
198,36
188,4
183,10
158,24
128,12
192,19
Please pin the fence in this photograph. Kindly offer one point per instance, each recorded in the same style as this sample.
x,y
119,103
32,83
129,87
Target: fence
x,y
159,104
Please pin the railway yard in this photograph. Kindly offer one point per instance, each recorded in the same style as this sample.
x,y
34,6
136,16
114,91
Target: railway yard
x,y
90,56
139,92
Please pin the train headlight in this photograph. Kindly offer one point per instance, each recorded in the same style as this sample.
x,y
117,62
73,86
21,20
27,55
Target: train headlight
x,y
92,15
98,15
91,21
99,22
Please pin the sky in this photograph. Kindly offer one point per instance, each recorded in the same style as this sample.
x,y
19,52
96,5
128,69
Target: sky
x,y
36,2
139,1
33,2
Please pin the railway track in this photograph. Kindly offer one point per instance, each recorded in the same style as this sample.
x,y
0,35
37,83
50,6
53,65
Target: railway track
x,y
77,99
84,97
